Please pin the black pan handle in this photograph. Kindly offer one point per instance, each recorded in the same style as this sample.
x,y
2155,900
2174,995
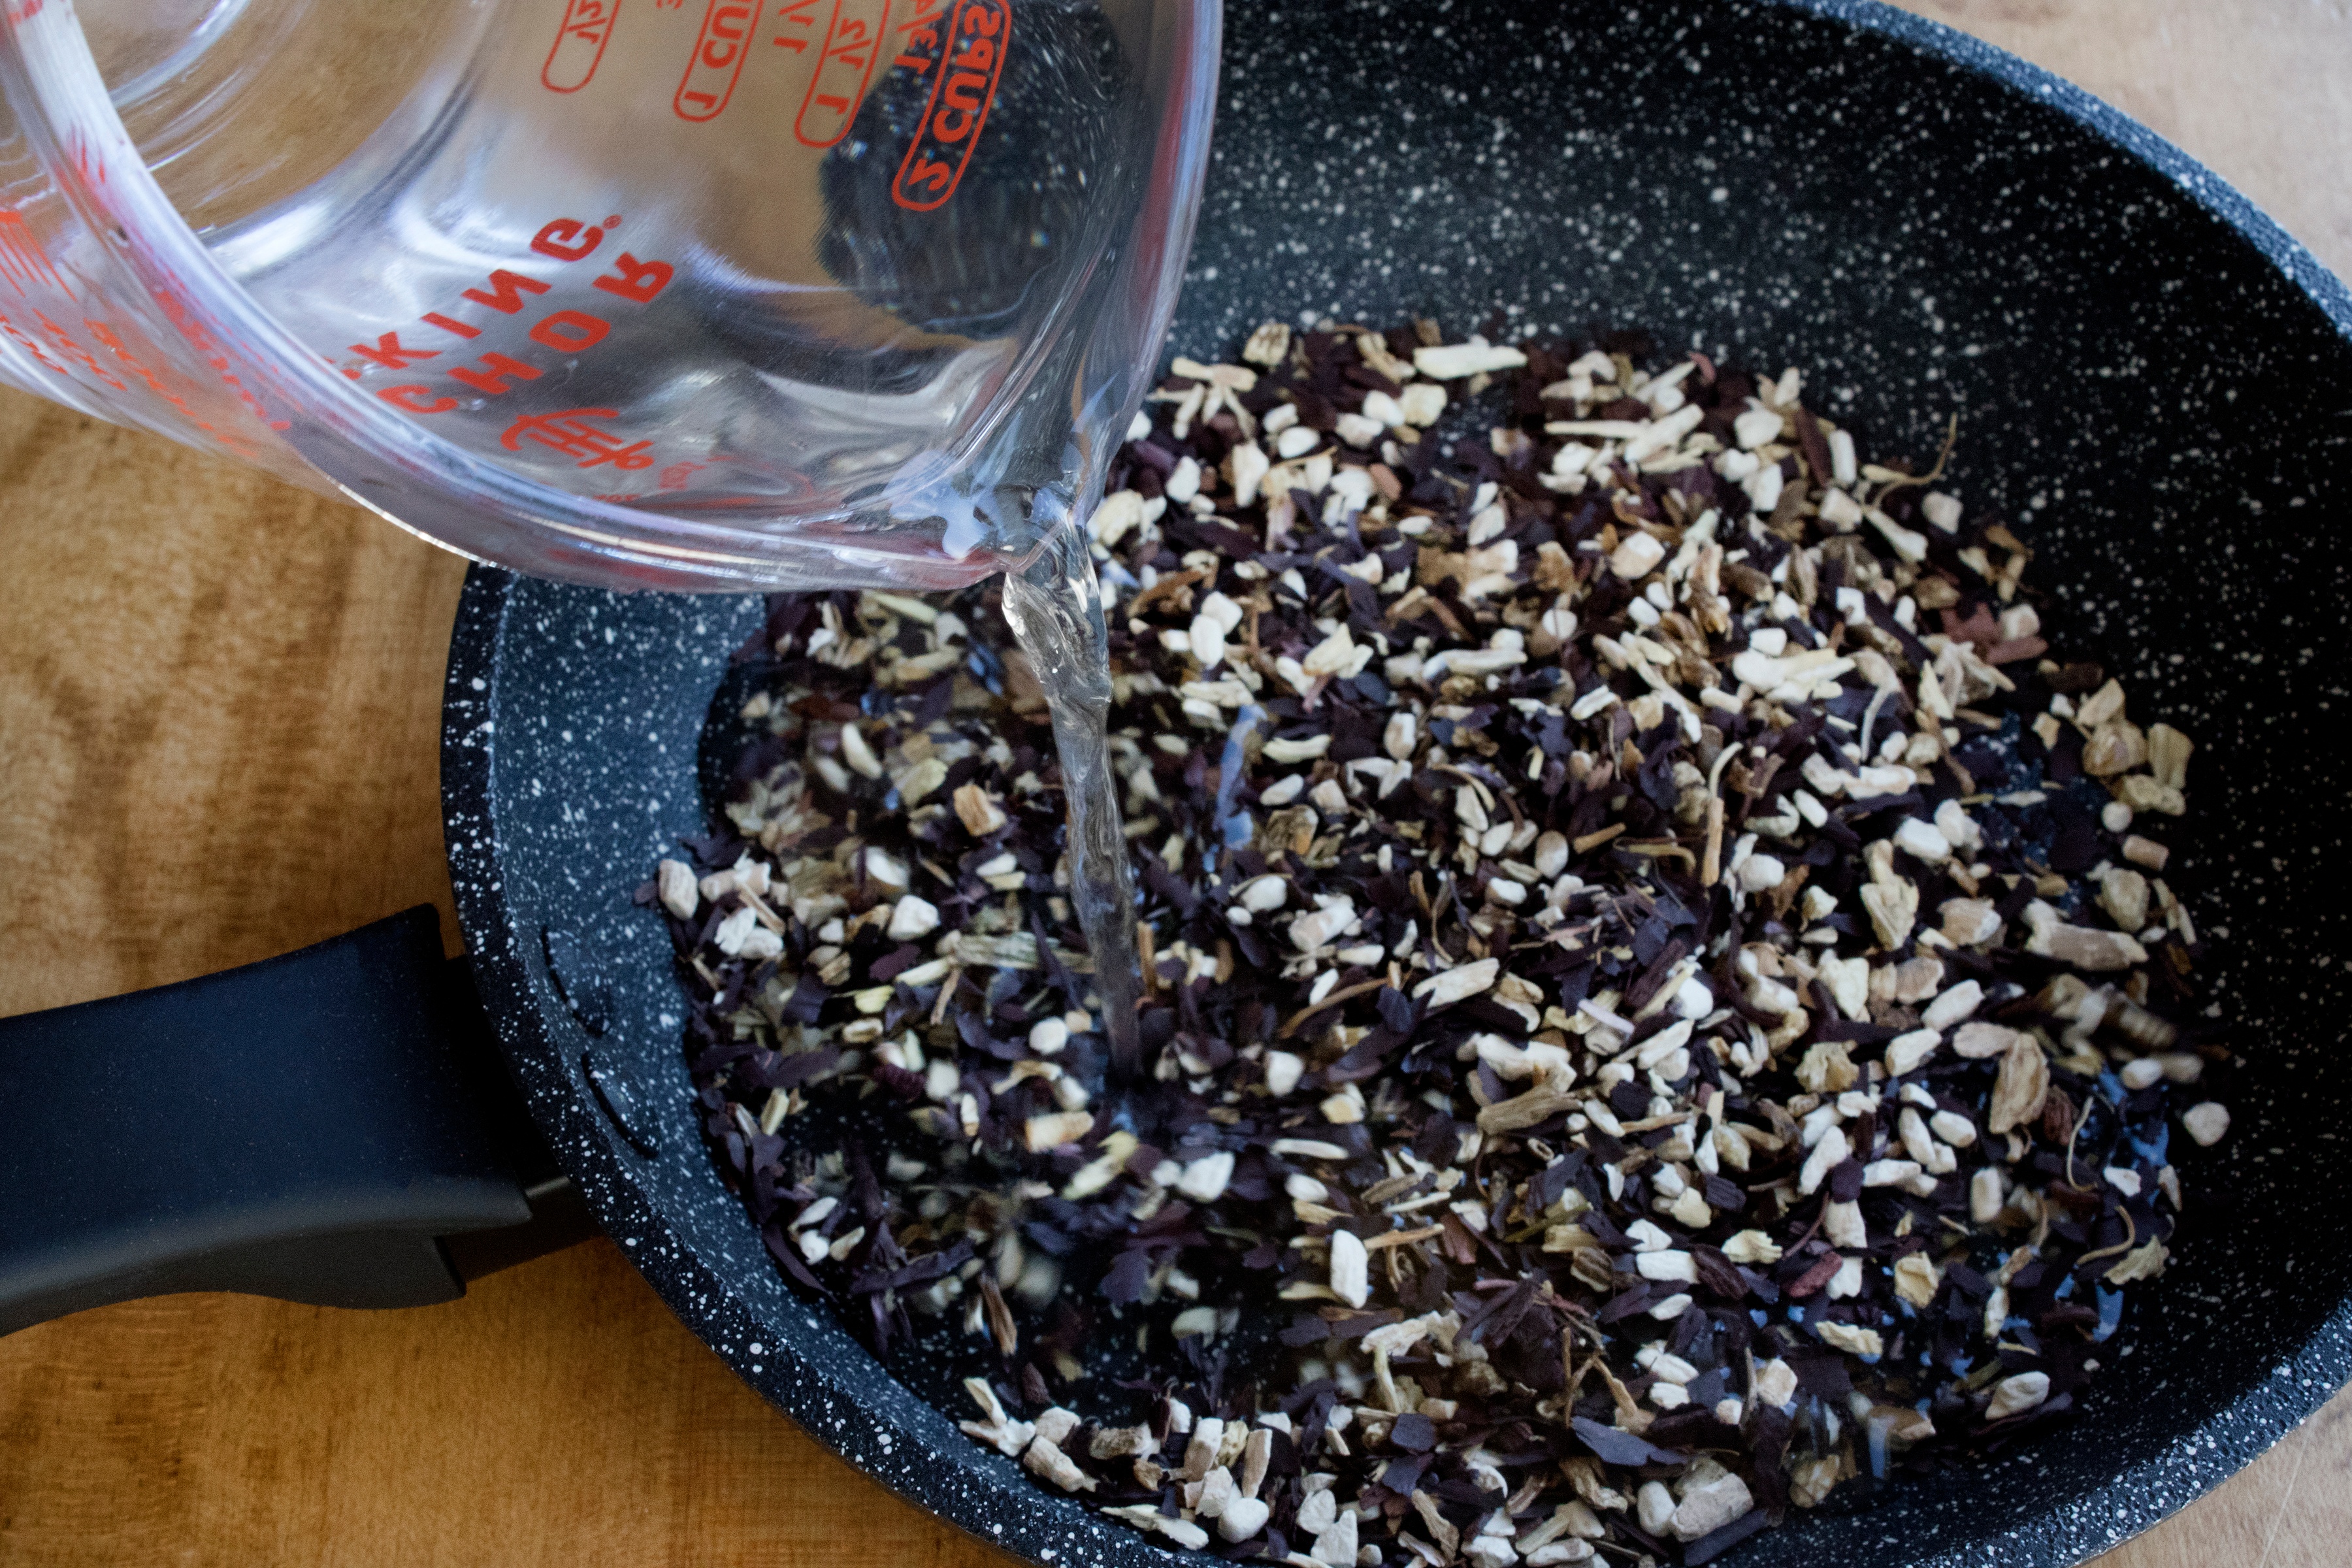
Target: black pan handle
x,y
334,1126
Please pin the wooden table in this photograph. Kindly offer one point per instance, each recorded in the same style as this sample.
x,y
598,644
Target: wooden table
x,y
219,701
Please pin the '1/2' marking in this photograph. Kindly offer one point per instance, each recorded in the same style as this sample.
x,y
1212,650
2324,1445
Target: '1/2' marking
x,y
962,94
579,47
851,44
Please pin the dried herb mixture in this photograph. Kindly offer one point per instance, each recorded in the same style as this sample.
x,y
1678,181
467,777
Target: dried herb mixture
x,y
1664,998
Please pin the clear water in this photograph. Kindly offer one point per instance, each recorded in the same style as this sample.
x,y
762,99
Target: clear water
x,y
814,353
819,292
1054,607
778,332
864,290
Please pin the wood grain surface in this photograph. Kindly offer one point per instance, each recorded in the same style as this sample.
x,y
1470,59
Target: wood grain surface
x,y
217,712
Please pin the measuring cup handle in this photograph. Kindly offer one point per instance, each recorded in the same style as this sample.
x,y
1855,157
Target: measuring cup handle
x,y
333,1127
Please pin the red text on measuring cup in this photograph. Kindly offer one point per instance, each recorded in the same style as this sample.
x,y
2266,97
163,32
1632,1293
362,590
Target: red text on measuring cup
x,y
969,62
716,63
579,47
844,68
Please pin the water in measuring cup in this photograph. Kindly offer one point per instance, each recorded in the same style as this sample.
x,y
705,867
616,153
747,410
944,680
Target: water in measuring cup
x,y
869,285
864,282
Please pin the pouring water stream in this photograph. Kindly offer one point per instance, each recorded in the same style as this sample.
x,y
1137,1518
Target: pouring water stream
x,y
1055,609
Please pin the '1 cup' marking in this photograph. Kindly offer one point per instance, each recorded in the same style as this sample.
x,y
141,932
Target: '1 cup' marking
x,y
717,64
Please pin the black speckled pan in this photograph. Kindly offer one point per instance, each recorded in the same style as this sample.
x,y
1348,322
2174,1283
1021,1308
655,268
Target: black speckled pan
x,y
2152,379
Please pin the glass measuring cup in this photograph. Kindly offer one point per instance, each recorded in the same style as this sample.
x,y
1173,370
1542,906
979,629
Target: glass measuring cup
x,y
693,294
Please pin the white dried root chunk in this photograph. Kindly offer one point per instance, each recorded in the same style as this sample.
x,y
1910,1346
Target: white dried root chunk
x,y
1350,1269
1122,1443
1335,1547
996,1428
1986,1195
2023,1087
1828,1154
1243,1517
978,810
1315,928
1891,899
2016,1395
1422,403
741,935
1967,922
1953,1005
1916,1279
1848,980
2078,947
912,916
2207,1123
1268,345
1636,556
1454,985
2143,1262
1451,361
1776,1384
2168,755
1906,1052
1144,1516
674,880
1045,1133
1248,466
1978,1041
1851,1340
1044,1457
1711,1497
2123,895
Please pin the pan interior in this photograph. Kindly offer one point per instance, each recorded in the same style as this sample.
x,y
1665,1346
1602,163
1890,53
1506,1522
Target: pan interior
x,y
2152,385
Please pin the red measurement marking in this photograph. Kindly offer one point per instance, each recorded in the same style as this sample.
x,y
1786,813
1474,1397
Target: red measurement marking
x,y
634,280
192,327
389,352
579,47
718,59
568,331
920,45
236,443
506,291
571,332
89,164
799,13
569,239
570,432
491,375
17,334
418,399
63,342
22,259
842,72
962,94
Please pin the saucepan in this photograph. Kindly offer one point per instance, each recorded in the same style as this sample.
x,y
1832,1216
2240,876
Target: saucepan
x,y
2151,380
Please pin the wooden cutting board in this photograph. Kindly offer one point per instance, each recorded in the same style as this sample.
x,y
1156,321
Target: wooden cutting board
x,y
217,741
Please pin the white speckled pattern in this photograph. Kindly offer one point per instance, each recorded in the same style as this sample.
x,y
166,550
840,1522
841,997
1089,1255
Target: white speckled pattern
x,y
2153,382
